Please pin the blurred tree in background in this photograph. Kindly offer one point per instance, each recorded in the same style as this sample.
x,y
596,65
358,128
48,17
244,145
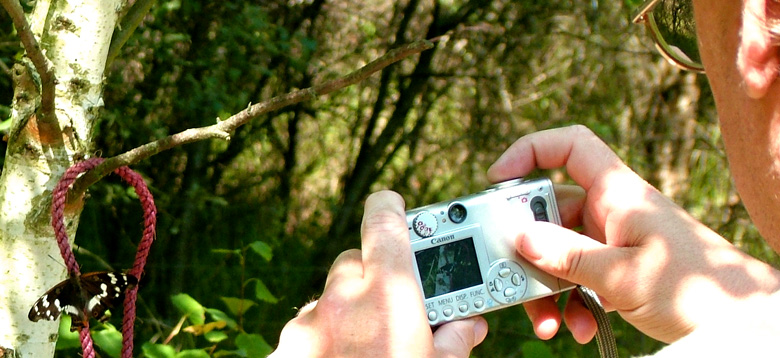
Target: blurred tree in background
x,y
250,226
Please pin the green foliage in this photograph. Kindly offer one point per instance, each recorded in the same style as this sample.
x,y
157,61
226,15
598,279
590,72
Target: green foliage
x,y
189,307
536,349
219,330
109,339
67,339
252,345
222,331
106,337
248,229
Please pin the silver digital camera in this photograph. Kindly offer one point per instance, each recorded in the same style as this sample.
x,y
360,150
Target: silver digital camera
x,y
464,258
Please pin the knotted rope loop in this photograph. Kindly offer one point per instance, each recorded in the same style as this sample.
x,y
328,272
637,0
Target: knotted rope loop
x,y
59,197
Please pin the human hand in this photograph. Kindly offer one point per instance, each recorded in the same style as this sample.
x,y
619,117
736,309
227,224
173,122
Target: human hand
x,y
371,305
660,269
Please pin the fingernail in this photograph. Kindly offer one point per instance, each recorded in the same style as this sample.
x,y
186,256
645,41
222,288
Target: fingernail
x,y
547,329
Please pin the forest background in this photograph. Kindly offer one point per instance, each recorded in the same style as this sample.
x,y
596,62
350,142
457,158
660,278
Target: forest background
x,y
247,229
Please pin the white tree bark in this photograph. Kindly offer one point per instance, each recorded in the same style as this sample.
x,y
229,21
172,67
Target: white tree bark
x,y
75,36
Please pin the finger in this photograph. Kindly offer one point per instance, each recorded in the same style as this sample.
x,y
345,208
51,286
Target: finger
x,y
570,200
347,265
579,319
584,155
612,188
385,236
456,339
545,316
577,258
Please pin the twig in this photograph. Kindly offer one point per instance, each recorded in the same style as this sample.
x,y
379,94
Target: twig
x,y
48,122
5,69
223,129
130,21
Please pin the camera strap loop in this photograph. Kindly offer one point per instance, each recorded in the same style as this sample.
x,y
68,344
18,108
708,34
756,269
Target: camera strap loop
x,y
604,337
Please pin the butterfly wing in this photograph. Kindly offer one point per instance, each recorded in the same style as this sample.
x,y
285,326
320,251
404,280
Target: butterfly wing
x,y
92,293
104,290
58,299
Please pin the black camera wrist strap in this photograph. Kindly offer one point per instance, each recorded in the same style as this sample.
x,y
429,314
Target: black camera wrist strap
x,y
604,337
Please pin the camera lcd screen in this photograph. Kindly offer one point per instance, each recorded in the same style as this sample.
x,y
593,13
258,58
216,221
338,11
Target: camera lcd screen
x,y
448,268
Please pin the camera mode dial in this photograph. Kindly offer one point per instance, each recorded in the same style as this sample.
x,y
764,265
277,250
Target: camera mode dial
x,y
425,224
506,281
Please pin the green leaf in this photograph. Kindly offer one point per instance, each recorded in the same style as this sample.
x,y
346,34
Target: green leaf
x,y
5,125
192,353
158,351
262,249
67,339
226,252
262,293
190,307
253,345
536,349
218,315
215,336
109,340
201,329
237,306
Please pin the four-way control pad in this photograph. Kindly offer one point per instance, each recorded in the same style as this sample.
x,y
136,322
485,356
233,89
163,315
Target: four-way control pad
x,y
506,281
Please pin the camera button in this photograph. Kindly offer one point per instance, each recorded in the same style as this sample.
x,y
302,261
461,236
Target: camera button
x,y
479,303
447,312
507,281
516,279
463,307
432,315
509,292
498,284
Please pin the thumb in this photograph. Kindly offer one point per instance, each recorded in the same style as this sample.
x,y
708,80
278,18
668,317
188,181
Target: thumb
x,y
566,254
456,339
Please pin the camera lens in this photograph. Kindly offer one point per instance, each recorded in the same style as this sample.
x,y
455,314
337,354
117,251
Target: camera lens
x,y
457,213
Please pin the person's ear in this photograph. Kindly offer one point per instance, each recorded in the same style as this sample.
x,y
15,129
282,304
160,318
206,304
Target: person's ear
x,y
758,58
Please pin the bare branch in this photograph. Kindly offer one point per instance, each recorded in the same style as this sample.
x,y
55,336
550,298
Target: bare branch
x,y
130,21
48,122
223,129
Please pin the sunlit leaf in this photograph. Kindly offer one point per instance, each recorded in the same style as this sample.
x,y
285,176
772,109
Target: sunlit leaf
x,y
262,249
192,353
152,350
67,339
262,293
199,329
218,315
253,345
109,340
190,307
215,336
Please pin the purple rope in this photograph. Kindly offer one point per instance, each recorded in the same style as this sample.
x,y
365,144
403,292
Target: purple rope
x,y
59,197
150,223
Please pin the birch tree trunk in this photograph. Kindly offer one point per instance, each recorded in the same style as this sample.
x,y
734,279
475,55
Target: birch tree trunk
x,y
74,36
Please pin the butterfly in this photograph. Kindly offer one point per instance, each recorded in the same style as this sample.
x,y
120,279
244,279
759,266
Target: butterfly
x,y
83,297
